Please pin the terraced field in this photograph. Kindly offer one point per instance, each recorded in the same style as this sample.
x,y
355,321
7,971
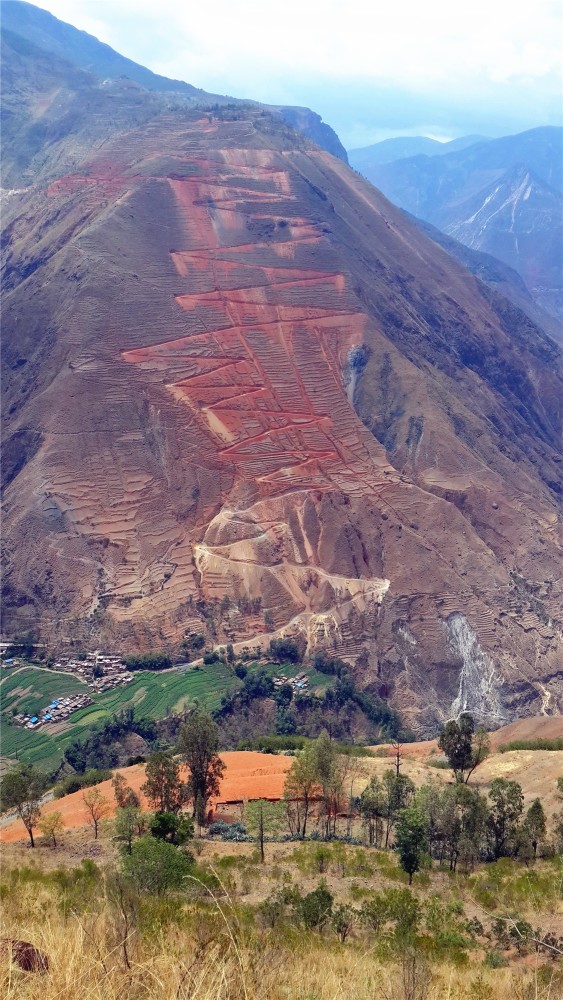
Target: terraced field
x,y
150,694
154,695
29,689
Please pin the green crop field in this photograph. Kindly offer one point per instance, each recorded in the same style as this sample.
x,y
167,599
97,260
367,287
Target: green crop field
x,y
29,689
151,694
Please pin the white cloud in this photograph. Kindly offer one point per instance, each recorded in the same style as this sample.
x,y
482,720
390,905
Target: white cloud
x,y
275,51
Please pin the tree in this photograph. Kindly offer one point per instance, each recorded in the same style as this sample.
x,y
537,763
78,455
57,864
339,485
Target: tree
x,y
97,805
128,822
175,828
372,810
535,825
330,779
558,817
410,837
464,748
263,819
51,825
508,803
21,789
124,794
468,819
343,918
397,748
157,867
397,794
164,787
199,746
301,787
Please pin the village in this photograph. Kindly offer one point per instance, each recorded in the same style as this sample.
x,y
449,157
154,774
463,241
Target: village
x,y
57,711
98,671
298,683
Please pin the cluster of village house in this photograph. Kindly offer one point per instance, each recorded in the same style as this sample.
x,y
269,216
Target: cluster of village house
x,y
57,711
299,683
98,671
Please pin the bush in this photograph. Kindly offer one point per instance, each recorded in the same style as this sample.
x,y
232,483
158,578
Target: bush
x,y
75,782
316,907
228,831
148,661
156,867
494,960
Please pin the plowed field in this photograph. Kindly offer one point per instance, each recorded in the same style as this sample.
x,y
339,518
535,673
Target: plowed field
x,y
248,775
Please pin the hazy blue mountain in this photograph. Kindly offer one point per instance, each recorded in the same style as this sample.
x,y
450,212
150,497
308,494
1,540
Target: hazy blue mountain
x,y
503,197
366,157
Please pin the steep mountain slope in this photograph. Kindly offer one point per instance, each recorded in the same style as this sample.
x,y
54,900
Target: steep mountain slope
x,y
244,394
498,276
401,147
53,37
503,196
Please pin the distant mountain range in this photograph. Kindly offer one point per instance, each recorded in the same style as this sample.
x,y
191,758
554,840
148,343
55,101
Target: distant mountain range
x,y
389,150
502,196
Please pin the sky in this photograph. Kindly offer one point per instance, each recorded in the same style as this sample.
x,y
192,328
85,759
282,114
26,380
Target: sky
x,y
442,68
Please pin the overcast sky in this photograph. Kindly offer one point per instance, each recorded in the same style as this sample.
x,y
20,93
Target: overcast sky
x,y
404,67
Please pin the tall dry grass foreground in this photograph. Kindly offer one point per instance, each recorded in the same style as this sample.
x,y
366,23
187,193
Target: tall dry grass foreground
x,y
171,950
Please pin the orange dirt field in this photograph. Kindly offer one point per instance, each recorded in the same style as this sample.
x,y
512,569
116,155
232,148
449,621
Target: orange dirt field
x,y
248,775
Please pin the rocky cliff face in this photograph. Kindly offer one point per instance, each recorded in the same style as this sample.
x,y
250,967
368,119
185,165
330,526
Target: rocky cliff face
x,y
244,394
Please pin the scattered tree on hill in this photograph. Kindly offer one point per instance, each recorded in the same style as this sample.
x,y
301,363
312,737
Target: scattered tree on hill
x,y
372,810
51,825
164,787
199,746
397,748
344,917
97,806
397,795
21,789
464,747
462,825
535,825
504,817
301,787
558,817
328,767
129,823
124,794
263,819
411,838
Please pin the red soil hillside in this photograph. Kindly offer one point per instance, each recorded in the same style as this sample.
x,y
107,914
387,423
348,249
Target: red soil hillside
x,y
248,775
241,386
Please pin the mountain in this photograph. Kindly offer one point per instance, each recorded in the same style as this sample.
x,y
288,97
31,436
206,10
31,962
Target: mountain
x,y
498,276
245,396
503,197
401,147
49,35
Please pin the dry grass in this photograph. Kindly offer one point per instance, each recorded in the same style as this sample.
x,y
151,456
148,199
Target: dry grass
x,y
193,951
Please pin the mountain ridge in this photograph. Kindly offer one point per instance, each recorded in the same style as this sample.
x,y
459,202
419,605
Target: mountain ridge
x,y
245,396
